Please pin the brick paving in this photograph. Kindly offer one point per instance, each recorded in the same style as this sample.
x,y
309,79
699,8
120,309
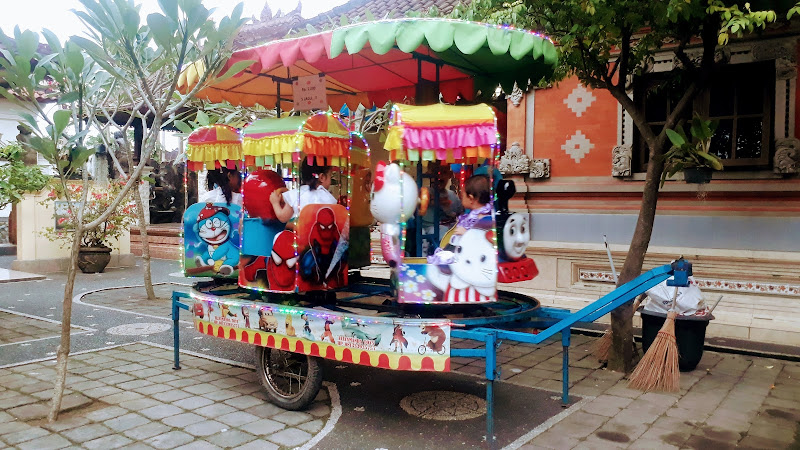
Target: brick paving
x,y
135,299
109,405
728,401
130,397
17,328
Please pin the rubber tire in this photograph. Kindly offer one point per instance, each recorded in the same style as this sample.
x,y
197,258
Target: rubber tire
x,y
307,393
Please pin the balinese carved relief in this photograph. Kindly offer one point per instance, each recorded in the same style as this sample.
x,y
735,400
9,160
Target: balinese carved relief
x,y
516,95
540,168
785,69
514,161
787,156
621,161
767,50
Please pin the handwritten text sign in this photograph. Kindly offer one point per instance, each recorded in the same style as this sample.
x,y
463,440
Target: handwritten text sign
x,y
309,93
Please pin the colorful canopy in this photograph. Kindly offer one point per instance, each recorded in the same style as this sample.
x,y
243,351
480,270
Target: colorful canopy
x,y
214,146
442,132
273,141
370,63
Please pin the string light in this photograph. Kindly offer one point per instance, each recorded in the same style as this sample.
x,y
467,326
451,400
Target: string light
x,y
319,314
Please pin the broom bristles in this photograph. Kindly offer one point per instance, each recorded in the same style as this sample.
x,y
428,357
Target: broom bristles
x,y
658,369
602,346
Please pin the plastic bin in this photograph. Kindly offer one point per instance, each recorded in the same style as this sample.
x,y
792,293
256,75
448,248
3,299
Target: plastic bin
x,y
690,334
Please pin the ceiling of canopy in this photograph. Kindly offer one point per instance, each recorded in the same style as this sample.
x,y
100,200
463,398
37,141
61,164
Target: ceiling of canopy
x,y
371,63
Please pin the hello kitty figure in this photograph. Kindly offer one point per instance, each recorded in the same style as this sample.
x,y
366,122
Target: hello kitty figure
x,y
474,277
393,200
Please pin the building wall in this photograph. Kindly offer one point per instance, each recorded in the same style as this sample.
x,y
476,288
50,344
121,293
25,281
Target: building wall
x,y
741,230
36,253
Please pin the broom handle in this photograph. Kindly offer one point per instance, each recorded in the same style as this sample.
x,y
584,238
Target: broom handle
x,y
715,304
674,299
610,260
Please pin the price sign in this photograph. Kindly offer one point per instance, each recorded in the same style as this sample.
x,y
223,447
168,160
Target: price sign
x,y
309,93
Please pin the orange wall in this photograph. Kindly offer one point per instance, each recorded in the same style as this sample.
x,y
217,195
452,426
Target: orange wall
x,y
555,123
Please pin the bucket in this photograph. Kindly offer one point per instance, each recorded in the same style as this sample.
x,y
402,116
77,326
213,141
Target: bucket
x,y
690,333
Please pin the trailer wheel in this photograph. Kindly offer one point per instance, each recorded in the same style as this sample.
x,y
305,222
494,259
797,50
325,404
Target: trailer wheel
x,y
291,380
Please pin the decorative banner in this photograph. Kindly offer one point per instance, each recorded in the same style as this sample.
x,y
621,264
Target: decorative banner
x,y
211,240
309,93
390,343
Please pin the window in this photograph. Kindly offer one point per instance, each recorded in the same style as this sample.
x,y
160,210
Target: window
x,y
740,97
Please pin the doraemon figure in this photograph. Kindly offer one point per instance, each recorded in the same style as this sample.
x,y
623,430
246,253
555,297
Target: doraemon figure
x,y
213,227
474,277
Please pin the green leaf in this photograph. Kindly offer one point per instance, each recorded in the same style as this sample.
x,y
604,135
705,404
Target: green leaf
x,y
74,57
202,118
235,69
31,121
97,53
27,43
343,21
169,8
182,126
675,138
150,180
61,119
712,159
162,29
69,97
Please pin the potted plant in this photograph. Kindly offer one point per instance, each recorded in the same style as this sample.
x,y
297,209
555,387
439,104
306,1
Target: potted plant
x,y
692,156
95,253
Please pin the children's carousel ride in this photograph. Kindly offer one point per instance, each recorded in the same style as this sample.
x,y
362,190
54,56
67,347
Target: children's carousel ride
x,y
293,289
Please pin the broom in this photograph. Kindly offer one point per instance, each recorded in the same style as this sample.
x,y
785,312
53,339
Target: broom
x,y
658,369
601,346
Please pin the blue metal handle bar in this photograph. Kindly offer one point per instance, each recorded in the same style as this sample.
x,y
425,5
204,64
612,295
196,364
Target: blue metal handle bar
x,y
605,304
177,305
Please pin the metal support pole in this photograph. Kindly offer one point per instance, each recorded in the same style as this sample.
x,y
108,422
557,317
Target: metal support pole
x,y
565,335
278,101
418,218
176,312
491,375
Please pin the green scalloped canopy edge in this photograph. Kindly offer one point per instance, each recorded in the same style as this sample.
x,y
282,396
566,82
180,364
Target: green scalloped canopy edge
x,y
493,55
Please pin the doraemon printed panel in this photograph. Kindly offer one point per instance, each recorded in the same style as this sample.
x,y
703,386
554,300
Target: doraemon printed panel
x,y
211,240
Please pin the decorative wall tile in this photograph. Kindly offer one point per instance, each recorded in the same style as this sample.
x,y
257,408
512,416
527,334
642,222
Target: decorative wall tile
x,y
579,100
755,287
577,146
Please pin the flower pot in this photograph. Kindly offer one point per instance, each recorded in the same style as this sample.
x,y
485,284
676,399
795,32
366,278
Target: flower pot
x,y
93,259
697,175
690,334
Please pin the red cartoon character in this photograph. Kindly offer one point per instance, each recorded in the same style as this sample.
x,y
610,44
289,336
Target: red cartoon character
x,y
281,264
198,310
399,339
322,240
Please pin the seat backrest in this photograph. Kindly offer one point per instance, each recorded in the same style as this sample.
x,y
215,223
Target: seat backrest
x,y
323,238
211,240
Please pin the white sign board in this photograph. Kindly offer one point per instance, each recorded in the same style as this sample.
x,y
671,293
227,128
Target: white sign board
x,y
309,93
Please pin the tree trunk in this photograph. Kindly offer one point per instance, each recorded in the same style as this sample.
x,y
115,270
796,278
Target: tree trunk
x,y
62,353
620,357
148,278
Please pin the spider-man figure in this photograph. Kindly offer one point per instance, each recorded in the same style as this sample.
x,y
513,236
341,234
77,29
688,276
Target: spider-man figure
x,y
322,240
280,266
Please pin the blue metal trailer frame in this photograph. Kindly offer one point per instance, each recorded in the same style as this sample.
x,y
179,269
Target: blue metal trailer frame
x,y
550,320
